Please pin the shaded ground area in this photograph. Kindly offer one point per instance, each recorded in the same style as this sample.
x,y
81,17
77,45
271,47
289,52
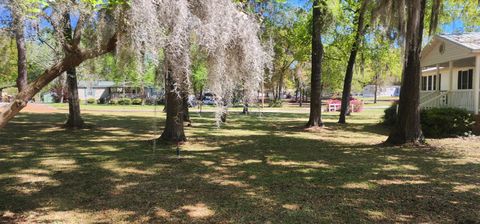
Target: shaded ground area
x,y
253,170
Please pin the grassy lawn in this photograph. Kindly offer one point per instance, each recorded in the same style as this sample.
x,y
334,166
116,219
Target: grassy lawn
x,y
286,108
252,170
381,101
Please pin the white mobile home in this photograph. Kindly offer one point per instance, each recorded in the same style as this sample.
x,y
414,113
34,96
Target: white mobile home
x,y
369,91
451,72
108,90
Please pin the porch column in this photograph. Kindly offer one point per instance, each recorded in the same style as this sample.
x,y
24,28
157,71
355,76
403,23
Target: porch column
x,y
450,76
437,81
476,84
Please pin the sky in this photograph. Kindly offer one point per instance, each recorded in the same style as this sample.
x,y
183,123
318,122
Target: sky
x,y
297,2
456,26
453,27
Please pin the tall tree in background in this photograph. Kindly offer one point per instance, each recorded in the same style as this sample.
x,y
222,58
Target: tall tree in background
x,y
347,85
74,119
322,17
315,119
19,30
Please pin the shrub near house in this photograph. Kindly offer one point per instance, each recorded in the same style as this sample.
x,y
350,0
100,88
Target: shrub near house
x,y
438,122
125,101
137,101
446,122
91,100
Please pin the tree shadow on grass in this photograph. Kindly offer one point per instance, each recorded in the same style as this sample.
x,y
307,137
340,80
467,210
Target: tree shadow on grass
x,y
265,171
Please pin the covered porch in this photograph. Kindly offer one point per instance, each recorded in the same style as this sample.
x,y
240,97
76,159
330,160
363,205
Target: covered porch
x,y
451,74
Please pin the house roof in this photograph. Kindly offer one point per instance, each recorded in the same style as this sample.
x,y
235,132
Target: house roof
x,y
96,84
106,84
468,40
466,44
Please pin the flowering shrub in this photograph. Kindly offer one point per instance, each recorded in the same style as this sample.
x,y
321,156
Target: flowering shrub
x,y
356,105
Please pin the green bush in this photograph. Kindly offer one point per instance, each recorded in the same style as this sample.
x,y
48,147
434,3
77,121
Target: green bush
x,y
91,101
137,101
113,102
275,103
446,122
125,101
438,122
390,115
102,101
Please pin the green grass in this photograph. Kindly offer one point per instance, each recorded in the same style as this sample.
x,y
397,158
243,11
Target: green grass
x,y
381,101
254,169
64,106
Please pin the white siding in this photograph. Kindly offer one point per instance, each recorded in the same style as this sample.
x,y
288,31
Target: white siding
x,y
445,81
87,93
82,93
452,52
98,93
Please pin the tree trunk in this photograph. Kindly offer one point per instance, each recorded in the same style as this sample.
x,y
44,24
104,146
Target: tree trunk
x,y
376,89
245,108
223,117
362,65
301,98
62,88
315,119
347,84
407,128
165,87
296,91
174,130
280,86
18,21
74,117
69,62
33,88
143,95
304,95
186,114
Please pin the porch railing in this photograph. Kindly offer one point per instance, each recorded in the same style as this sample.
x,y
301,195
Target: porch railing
x,y
424,96
461,99
434,100
457,99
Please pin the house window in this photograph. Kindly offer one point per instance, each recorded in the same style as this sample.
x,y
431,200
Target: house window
x,y
429,83
424,83
465,79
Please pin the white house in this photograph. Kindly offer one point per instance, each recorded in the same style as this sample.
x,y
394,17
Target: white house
x,y
369,91
109,90
451,72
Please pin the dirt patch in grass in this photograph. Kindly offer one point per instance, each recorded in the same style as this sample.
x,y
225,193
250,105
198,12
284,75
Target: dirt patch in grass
x,y
39,108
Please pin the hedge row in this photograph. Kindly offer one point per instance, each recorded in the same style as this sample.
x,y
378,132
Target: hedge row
x,y
438,122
